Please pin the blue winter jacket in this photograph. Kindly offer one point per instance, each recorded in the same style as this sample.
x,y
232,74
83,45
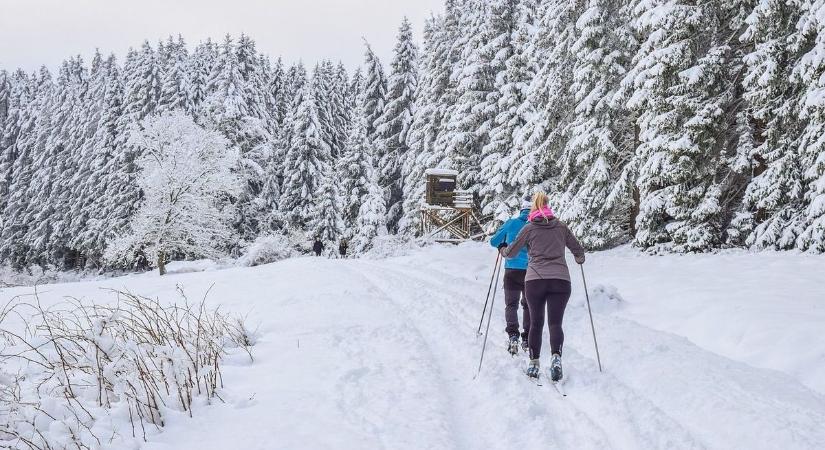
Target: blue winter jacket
x,y
507,233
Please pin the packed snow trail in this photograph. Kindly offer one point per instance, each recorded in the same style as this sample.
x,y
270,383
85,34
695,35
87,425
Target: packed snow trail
x,y
381,354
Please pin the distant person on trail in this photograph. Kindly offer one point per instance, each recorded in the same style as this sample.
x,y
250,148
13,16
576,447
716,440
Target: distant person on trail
x,y
342,248
547,283
318,247
514,270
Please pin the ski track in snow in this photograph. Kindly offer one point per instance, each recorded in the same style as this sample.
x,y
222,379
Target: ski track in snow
x,y
572,426
659,391
381,354
422,304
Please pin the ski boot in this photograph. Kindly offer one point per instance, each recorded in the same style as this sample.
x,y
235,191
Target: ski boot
x,y
555,368
533,368
512,345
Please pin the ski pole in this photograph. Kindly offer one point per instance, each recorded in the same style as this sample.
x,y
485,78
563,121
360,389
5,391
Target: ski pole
x,y
489,317
592,327
489,289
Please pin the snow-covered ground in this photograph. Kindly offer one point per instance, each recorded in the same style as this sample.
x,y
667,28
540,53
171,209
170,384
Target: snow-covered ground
x,y
704,351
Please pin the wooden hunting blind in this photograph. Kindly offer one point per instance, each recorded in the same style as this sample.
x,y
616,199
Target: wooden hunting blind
x,y
448,213
441,187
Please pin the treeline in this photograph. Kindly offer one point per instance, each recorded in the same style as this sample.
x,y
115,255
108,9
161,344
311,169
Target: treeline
x,y
674,124
68,179
680,125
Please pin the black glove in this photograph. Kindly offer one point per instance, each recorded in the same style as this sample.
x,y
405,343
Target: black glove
x,y
502,245
580,259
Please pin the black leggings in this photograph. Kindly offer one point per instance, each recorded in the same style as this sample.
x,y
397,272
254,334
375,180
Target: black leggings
x,y
553,295
513,292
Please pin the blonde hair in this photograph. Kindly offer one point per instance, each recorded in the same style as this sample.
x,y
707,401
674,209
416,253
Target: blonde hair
x,y
540,200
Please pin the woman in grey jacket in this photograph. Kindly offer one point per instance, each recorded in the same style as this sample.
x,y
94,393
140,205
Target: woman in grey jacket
x,y
547,283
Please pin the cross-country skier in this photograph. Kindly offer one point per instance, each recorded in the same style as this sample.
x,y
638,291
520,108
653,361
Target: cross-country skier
x,y
547,283
514,270
318,246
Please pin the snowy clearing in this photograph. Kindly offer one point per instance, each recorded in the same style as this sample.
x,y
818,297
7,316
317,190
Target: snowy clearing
x,y
720,351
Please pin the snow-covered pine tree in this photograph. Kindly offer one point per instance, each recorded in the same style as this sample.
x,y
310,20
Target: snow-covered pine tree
x,y
280,112
5,92
14,103
322,87
355,90
539,143
427,136
255,87
201,64
362,198
305,162
288,98
371,221
85,181
326,223
186,173
225,106
682,90
236,107
175,81
103,205
17,99
5,166
142,83
266,202
469,119
81,125
278,94
809,74
339,112
393,126
362,203
257,137
293,90
33,113
354,169
509,28
332,109
275,168
50,192
597,184
295,80
771,207
345,106
374,91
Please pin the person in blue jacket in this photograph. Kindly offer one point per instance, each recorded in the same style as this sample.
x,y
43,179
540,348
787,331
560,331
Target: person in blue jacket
x,y
515,269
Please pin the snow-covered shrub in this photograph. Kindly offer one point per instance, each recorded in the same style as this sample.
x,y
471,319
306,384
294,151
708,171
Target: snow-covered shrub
x,y
605,298
38,275
266,249
390,245
79,375
299,240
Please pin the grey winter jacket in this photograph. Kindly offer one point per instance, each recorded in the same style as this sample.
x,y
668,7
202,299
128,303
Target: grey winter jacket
x,y
546,240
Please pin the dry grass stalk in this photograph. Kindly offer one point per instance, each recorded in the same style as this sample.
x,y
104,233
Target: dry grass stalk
x,y
73,366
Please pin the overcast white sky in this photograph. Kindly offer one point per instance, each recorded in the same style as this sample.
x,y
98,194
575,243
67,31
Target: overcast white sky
x,y
37,32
